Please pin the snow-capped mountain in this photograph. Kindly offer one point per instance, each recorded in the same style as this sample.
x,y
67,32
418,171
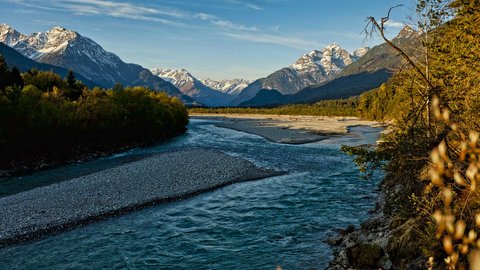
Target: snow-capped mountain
x,y
232,87
68,49
371,68
317,67
314,68
407,32
360,52
192,87
10,36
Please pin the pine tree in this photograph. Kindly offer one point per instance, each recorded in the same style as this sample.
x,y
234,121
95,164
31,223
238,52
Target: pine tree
x,y
118,87
16,78
71,79
4,73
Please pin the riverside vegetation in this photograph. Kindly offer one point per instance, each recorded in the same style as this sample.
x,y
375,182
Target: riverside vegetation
x,y
431,194
47,120
339,107
431,154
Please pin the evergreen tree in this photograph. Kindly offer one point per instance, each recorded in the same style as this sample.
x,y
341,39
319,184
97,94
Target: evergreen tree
x,y
4,73
118,87
16,78
71,79
74,87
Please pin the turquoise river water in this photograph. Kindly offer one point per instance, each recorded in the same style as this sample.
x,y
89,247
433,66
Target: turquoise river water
x,y
282,220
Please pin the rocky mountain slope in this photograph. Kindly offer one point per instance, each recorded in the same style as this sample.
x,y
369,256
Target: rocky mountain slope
x,y
194,88
314,68
23,63
70,50
366,73
232,87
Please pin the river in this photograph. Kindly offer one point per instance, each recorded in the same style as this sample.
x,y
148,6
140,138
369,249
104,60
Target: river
x,y
282,220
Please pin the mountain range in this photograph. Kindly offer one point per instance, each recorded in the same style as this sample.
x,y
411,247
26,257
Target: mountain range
x,y
331,72
310,69
24,64
232,87
69,50
194,88
367,72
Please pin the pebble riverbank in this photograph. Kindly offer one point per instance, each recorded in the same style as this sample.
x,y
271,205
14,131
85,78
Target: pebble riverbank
x,y
166,177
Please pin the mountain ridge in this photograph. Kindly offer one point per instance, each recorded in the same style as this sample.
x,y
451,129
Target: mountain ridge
x,y
229,86
313,68
368,72
70,50
193,87
15,59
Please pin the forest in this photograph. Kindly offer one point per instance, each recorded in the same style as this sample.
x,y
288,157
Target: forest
x,y
46,120
338,107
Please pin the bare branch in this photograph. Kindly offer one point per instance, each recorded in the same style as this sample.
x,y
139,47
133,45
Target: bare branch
x,y
385,19
381,30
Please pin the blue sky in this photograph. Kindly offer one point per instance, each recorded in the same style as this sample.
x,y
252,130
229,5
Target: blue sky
x,y
218,39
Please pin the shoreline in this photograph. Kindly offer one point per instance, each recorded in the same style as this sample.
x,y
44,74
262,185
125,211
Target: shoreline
x,y
363,247
287,129
78,157
45,211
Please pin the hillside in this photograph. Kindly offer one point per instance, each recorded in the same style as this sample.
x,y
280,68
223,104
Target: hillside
x,y
16,59
368,72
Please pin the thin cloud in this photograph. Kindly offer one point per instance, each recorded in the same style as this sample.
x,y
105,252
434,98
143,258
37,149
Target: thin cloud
x,y
394,24
107,8
292,42
243,4
225,24
254,7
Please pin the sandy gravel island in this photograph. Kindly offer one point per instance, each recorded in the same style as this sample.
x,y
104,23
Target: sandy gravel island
x,y
171,176
288,129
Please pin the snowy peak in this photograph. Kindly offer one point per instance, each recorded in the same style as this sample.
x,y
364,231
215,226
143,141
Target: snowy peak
x,y
329,61
175,76
181,78
232,87
358,53
10,36
55,40
311,69
192,87
50,45
407,32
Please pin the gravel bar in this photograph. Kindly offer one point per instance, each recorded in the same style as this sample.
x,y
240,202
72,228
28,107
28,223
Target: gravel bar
x,y
159,179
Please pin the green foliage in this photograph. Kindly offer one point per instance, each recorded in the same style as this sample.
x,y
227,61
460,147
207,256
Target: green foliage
x,y
449,59
9,77
74,88
366,157
44,80
4,73
16,78
70,79
51,119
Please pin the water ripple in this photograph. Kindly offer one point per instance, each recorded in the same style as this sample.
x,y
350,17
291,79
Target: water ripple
x,y
282,220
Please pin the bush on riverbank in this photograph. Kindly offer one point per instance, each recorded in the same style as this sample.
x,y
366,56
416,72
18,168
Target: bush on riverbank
x,y
50,120
432,149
